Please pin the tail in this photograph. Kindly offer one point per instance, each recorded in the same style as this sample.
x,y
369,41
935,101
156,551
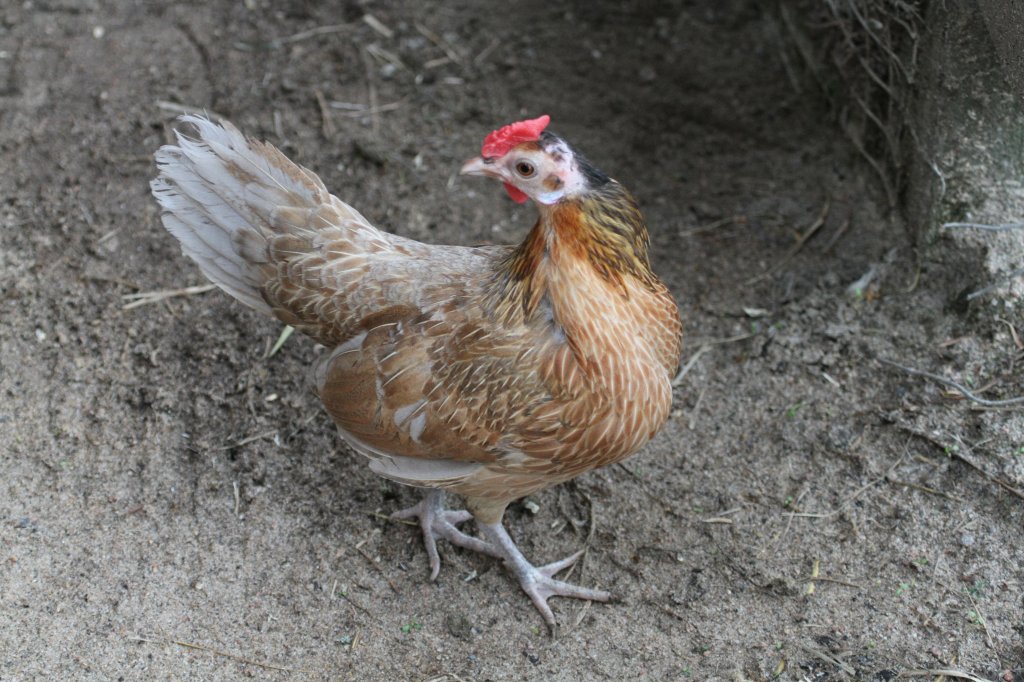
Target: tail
x,y
220,193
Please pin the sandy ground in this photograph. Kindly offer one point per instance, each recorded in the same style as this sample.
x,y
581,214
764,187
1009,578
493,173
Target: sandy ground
x,y
174,505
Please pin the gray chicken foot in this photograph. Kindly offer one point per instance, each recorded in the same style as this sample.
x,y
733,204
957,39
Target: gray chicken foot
x,y
438,522
539,582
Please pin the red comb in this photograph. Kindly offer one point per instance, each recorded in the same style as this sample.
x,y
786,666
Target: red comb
x,y
499,142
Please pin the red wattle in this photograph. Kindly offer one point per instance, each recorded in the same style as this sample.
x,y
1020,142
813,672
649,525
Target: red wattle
x,y
517,194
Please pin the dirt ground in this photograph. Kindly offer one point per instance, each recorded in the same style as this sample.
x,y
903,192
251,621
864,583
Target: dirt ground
x,y
174,504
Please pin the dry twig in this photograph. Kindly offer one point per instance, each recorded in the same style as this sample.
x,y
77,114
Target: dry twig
x,y
691,424
326,124
311,33
371,93
982,226
218,652
685,369
998,283
378,26
366,555
246,441
851,498
728,220
356,110
981,620
952,452
1013,333
923,488
952,384
837,236
727,339
486,52
828,658
796,248
440,42
946,672
147,297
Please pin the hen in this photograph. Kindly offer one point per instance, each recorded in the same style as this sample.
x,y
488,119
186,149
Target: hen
x,y
492,372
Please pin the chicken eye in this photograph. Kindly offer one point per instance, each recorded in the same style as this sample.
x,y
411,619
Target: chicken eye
x,y
525,169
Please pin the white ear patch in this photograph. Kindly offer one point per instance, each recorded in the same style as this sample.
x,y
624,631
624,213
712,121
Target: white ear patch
x,y
568,172
548,198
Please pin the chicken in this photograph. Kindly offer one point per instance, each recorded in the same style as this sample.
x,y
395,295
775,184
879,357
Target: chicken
x,y
492,372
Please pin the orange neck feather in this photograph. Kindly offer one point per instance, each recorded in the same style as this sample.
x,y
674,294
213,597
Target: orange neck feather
x,y
604,228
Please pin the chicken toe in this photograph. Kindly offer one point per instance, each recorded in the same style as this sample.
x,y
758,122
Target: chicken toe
x,y
438,522
539,583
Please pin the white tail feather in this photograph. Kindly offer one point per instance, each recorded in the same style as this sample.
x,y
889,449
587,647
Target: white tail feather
x,y
218,192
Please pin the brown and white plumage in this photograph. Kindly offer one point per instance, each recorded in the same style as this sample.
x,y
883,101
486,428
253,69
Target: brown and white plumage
x,y
492,372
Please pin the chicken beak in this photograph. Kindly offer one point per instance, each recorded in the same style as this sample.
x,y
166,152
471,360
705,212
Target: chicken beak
x,y
480,166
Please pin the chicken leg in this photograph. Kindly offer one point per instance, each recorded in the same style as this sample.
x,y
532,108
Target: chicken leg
x,y
539,582
438,522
